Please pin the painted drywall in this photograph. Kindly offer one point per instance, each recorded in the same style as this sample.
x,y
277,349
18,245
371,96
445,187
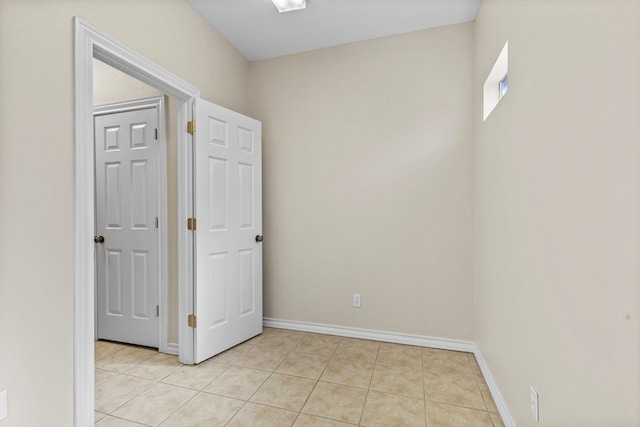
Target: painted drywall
x,y
36,172
110,86
557,209
367,183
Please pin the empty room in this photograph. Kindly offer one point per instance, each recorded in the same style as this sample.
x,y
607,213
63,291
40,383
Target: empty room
x,y
341,212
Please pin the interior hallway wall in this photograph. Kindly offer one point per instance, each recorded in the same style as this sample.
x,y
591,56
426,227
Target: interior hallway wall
x,y
367,183
557,209
37,164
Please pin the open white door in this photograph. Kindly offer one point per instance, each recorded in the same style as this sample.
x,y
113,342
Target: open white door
x,y
228,208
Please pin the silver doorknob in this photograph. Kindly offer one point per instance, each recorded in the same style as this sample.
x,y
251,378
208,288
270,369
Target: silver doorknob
x,y
98,239
259,238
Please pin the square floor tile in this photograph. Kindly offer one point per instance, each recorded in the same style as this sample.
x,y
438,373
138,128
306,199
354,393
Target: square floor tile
x,y
441,415
360,350
398,355
384,409
337,402
323,345
284,391
254,415
348,372
283,340
447,363
303,365
401,381
204,410
125,359
458,391
156,367
155,404
100,376
238,383
196,376
117,391
103,349
233,355
265,358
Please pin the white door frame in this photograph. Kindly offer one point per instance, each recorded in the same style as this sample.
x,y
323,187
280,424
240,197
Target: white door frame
x,y
89,43
158,103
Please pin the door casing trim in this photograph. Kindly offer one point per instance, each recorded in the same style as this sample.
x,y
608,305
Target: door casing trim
x,y
89,43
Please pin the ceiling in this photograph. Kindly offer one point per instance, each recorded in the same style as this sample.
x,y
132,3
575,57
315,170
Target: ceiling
x,y
258,31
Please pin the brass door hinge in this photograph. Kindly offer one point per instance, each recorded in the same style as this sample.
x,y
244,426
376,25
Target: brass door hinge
x,y
192,321
191,127
191,224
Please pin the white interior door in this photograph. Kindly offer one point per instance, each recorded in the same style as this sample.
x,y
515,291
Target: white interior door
x,y
228,207
127,261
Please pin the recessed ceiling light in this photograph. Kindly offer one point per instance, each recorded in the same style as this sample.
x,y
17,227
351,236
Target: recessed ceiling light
x,y
289,5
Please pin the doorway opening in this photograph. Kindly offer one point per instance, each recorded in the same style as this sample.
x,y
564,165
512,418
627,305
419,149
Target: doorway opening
x,y
90,44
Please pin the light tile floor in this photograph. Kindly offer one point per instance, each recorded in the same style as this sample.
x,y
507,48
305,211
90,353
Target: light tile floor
x,y
287,378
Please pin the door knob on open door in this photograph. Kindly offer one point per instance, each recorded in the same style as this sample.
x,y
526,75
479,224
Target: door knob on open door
x,y
98,239
259,238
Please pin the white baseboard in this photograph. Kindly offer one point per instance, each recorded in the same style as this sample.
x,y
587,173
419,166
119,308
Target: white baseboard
x,y
172,348
507,419
368,334
398,338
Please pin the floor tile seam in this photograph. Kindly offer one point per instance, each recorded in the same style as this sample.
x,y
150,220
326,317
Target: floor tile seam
x,y
305,401
205,386
237,412
258,388
457,405
485,399
452,376
180,407
107,355
424,392
152,379
272,406
402,381
479,383
400,365
353,360
324,417
398,394
132,366
127,419
366,399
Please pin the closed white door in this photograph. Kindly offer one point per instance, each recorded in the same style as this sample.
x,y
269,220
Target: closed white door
x,y
127,264
228,206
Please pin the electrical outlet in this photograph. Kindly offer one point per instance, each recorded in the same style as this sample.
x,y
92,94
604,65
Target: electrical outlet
x,y
356,300
533,403
3,405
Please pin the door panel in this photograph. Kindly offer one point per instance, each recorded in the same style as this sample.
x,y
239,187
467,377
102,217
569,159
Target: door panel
x,y
228,206
127,264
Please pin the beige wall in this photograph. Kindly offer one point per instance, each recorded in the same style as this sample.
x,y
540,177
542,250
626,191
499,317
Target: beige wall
x,y
111,85
36,172
367,183
557,209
